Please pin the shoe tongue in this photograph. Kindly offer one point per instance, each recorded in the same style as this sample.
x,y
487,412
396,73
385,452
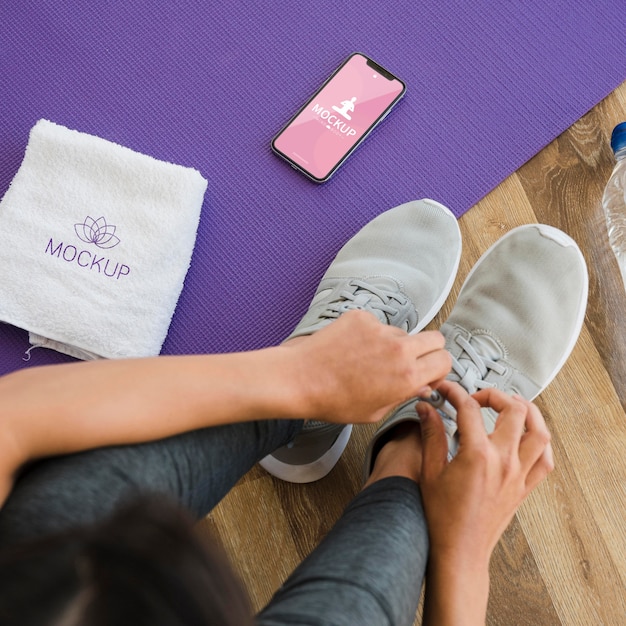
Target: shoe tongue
x,y
487,347
382,282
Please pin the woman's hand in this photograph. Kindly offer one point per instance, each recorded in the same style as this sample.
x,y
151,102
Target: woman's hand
x,y
470,500
357,369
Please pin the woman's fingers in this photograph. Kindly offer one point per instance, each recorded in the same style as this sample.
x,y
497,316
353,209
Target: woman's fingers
x,y
520,430
469,418
543,466
535,451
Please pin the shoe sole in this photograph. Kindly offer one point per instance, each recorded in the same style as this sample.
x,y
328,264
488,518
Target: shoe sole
x,y
436,307
564,240
310,472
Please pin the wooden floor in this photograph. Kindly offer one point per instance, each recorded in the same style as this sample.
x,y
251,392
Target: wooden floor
x,y
563,559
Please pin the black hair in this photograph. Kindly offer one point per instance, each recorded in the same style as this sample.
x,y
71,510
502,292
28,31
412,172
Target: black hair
x,y
144,566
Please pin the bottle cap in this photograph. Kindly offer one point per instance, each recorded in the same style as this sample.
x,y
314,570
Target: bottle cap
x,y
618,138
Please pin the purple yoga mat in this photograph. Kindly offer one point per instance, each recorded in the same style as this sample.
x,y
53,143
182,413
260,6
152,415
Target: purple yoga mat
x,y
207,84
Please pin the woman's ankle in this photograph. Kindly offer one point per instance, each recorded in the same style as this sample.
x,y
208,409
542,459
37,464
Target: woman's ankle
x,y
400,454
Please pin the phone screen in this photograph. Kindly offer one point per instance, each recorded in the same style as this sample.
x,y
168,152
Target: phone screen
x,y
350,104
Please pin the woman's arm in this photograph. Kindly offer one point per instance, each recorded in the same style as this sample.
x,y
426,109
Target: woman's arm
x,y
355,370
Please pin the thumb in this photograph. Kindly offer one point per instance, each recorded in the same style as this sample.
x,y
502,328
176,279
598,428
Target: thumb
x,y
434,441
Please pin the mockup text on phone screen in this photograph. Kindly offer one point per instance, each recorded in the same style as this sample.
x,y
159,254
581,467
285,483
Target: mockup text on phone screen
x,y
338,116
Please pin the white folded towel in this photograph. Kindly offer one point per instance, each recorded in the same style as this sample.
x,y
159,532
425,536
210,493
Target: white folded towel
x,y
95,243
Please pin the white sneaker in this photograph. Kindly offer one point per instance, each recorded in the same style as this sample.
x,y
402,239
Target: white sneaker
x,y
400,267
516,321
519,314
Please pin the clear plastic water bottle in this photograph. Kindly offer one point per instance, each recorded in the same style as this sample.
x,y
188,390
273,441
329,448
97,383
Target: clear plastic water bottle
x,y
614,199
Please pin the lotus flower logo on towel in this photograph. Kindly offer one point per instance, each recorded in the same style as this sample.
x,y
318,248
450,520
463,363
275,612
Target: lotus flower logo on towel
x,y
97,232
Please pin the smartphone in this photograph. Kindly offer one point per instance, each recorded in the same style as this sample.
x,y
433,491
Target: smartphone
x,y
338,117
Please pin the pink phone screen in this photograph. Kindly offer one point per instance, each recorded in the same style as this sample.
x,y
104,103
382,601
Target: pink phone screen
x,y
337,117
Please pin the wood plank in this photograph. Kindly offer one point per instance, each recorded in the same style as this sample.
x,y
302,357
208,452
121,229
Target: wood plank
x,y
574,521
256,534
518,593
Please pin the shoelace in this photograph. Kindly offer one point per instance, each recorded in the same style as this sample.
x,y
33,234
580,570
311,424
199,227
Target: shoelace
x,y
473,368
367,297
